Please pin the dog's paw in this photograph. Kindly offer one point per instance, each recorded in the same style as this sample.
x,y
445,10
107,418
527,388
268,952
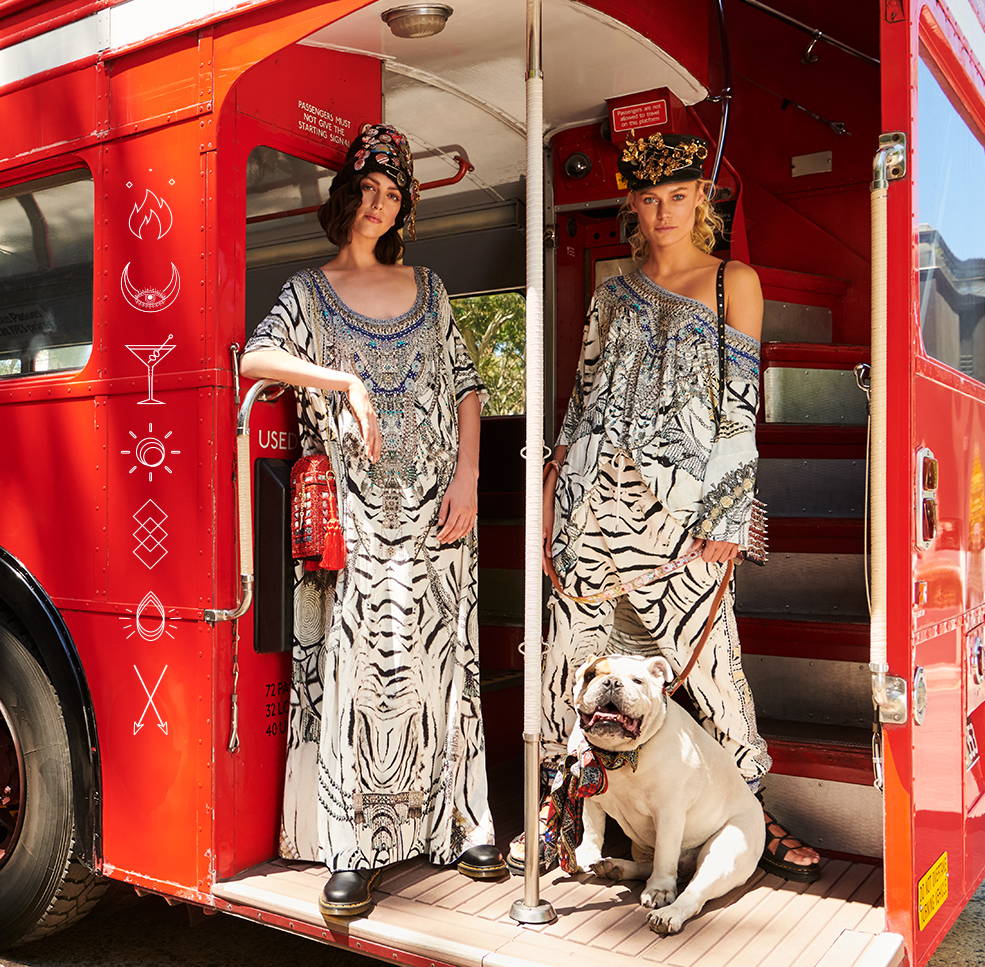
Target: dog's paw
x,y
659,892
587,858
608,869
666,920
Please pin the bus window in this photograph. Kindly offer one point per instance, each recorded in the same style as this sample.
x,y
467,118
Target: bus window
x,y
950,209
46,230
279,243
492,326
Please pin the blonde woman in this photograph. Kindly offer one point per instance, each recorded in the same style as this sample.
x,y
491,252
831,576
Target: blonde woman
x,y
657,458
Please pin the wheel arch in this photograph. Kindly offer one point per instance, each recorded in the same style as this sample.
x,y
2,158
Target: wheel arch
x,y
49,640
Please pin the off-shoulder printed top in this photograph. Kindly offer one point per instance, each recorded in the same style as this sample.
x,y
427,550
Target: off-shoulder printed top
x,y
647,384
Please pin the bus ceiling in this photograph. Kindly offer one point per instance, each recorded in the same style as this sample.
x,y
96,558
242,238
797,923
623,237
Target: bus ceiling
x,y
464,85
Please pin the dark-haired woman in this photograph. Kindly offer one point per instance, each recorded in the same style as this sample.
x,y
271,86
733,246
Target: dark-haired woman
x,y
386,732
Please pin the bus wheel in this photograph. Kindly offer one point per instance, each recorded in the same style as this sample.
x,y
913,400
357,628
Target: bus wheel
x,y
43,886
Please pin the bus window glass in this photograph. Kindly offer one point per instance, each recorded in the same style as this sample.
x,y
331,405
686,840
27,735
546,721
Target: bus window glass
x,y
46,230
279,243
493,327
950,210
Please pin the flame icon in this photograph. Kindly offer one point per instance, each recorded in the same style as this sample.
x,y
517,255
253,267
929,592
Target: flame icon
x,y
152,210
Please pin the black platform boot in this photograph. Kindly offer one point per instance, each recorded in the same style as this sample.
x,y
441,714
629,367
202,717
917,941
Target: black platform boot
x,y
348,893
482,863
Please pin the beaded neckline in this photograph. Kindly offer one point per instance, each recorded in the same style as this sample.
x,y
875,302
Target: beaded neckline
x,y
697,303
376,323
642,277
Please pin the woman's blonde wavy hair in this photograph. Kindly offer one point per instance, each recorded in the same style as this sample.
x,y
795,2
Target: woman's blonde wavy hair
x,y
707,224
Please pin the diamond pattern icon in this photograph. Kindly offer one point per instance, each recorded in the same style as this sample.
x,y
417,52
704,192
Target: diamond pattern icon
x,y
150,535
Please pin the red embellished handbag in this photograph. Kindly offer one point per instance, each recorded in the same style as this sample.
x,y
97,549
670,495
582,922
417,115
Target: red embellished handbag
x,y
316,532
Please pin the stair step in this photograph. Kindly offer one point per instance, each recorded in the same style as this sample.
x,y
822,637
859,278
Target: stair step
x,y
809,384
800,287
826,752
789,440
819,640
807,487
813,355
816,535
828,585
498,644
501,543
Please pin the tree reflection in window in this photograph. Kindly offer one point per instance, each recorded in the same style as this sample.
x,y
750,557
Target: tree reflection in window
x,y
493,327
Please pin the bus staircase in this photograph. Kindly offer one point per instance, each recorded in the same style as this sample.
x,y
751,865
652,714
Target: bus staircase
x,y
804,629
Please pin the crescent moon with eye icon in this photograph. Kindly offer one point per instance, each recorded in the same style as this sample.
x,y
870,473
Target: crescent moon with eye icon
x,y
150,299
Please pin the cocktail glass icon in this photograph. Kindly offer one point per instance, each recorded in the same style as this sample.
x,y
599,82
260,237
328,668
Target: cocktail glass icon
x,y
150,356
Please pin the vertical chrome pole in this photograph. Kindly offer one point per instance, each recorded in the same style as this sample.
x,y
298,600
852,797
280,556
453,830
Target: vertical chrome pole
x,y
531,909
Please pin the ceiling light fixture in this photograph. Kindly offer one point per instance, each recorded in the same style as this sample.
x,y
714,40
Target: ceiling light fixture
x,y
414,20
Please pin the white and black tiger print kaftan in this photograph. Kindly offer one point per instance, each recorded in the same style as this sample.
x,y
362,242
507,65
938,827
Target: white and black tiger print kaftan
x,y
651,464
387,757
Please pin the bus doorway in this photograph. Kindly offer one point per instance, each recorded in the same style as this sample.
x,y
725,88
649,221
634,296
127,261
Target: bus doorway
x,y
805,636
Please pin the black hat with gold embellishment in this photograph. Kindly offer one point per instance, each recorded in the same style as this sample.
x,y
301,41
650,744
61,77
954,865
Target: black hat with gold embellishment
x,y
381,147
661,159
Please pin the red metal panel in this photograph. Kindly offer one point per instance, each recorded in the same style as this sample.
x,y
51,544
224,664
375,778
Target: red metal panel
x,y
153,703
139,89
53,113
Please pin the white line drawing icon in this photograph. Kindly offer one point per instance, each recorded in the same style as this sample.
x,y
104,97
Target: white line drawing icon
x,y
150,535
150,356
149,299
152,215
150,620
150,452
139,723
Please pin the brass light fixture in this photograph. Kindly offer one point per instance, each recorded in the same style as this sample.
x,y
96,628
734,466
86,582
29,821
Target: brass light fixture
x,y
414,20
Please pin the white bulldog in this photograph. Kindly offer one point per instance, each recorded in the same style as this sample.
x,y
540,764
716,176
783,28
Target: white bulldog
x,y
685,807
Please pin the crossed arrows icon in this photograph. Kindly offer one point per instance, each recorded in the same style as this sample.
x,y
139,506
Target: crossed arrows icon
x,y
139,724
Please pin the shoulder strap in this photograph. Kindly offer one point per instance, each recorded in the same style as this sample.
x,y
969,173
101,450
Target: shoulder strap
x,y
720,296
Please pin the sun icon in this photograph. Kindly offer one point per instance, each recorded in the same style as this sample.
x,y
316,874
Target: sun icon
x,y
150,452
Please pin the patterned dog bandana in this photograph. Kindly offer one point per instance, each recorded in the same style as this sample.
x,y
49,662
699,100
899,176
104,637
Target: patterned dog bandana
x,y
585,773
661,159
382,148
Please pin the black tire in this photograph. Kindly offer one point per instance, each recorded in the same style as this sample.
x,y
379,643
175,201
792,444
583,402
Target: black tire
x,y
43,886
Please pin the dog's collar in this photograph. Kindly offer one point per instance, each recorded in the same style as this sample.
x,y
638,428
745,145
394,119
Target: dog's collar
x,y
616,760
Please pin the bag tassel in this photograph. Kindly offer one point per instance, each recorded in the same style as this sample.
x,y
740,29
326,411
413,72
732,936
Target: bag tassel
x,y
333,554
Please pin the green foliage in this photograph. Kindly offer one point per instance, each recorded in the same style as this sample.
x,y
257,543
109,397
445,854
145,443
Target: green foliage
x,y
493,327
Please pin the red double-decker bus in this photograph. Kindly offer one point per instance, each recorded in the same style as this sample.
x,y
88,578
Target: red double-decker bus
x,y
159,167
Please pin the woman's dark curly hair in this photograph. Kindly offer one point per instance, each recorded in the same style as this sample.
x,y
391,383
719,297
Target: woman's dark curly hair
x,y
339,212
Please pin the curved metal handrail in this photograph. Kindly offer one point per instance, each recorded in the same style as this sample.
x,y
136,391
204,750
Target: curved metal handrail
x,y
258,391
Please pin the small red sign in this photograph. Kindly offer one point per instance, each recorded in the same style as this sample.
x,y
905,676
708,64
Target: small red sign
x,y
634,116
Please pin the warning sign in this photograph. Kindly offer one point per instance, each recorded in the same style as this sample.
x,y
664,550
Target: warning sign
x,y
932,890
634,116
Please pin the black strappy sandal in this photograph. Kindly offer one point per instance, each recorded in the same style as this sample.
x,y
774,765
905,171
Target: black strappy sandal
x,y
546,855
779,842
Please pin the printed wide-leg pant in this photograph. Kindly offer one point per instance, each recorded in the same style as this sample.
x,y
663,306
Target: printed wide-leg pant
x,y
625,532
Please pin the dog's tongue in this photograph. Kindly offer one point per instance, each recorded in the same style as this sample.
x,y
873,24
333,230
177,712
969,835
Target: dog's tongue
x,y
631,725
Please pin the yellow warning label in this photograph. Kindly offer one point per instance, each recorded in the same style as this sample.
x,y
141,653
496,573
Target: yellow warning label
x,y
932,890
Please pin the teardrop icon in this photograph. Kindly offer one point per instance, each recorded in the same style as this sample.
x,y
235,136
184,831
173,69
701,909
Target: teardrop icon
x,y
150,626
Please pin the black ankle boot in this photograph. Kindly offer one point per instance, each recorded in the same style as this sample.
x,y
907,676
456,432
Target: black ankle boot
x,y
482,863
347,893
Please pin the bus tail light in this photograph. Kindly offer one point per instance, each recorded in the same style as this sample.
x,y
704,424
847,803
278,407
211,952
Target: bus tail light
x,y
926,503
